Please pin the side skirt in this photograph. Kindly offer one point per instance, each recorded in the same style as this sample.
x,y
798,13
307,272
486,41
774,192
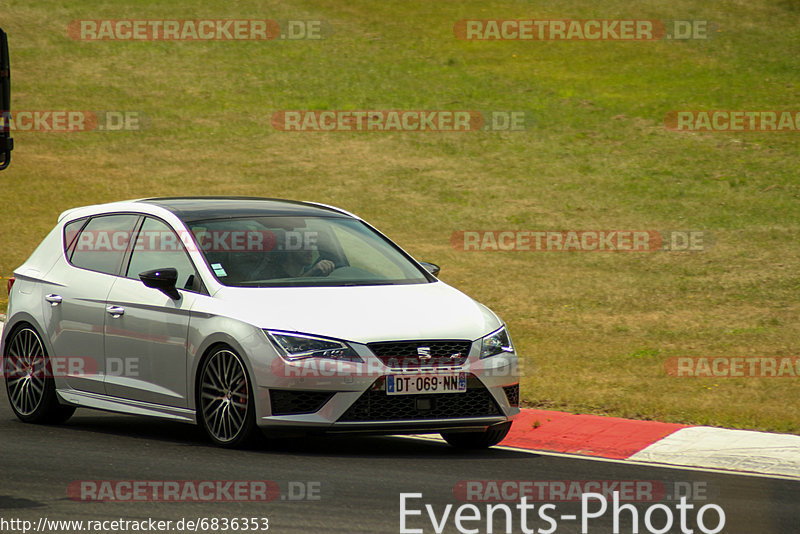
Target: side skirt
x,y
96,401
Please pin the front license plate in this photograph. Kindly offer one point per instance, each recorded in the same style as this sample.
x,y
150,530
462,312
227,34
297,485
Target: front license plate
x,y
416,384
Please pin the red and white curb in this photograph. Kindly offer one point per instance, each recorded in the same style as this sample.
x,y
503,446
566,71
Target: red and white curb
x,y
588,435
653,442
656,443
720,448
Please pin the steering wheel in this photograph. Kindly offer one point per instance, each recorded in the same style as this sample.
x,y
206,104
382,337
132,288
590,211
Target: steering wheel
x,y
319,260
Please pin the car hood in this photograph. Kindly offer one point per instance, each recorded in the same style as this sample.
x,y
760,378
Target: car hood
x,y
361,314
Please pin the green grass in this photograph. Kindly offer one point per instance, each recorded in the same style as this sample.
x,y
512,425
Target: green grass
x,y
595,330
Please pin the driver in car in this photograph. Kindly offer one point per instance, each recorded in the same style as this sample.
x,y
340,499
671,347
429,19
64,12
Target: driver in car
x,y
293,260
296,263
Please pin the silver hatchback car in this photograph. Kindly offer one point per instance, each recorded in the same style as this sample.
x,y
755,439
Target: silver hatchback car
x,y
247,313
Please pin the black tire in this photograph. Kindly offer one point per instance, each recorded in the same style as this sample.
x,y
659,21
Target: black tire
x,y
29,379
478,440
225,400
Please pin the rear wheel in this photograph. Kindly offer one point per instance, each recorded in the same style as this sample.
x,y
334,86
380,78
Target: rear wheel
x,y
478,440
226,402
29,379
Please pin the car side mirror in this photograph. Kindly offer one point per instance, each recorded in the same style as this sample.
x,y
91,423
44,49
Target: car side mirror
x,y
431,267
165,280
6,142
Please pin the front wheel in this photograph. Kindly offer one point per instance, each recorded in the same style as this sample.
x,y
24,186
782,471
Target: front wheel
x,y
29,379
226,402
478,440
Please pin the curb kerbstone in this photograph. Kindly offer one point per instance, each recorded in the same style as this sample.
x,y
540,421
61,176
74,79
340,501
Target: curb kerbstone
x,y
654,442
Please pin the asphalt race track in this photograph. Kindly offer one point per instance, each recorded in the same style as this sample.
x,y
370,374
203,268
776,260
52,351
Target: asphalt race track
x,y
359,479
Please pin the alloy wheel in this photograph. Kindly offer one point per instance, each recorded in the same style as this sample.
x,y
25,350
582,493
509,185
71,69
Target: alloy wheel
x,y
25,367
224,396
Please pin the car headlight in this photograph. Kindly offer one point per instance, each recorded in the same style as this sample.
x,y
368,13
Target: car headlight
x,y
301,346
497,342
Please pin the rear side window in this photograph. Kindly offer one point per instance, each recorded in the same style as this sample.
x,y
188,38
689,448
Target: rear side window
x,y
102,243
71,231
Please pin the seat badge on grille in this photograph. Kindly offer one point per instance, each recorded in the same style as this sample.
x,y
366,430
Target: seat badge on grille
x,y
455,356
424,353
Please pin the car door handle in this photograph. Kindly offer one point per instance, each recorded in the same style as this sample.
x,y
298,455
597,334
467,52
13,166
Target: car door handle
x,y
54,299
115,311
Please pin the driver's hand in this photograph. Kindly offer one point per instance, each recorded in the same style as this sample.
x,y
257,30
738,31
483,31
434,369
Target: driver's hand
x,y
322,268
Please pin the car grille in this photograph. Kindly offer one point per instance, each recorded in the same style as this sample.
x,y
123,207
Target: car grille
x,y
376,405
297,402
512,394
404,354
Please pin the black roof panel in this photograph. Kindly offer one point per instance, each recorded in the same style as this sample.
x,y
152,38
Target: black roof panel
x,y
190,209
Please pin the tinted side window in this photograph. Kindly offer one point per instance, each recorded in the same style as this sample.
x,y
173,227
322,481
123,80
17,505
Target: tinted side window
x,y
102,243
70,234
158,247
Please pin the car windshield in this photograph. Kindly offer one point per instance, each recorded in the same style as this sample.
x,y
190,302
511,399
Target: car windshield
x,y
301,251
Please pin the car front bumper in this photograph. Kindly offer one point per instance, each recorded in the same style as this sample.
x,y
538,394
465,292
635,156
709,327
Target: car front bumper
x,y
315,396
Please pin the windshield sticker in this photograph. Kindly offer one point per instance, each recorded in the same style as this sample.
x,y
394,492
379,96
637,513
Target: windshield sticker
x,y
218,269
